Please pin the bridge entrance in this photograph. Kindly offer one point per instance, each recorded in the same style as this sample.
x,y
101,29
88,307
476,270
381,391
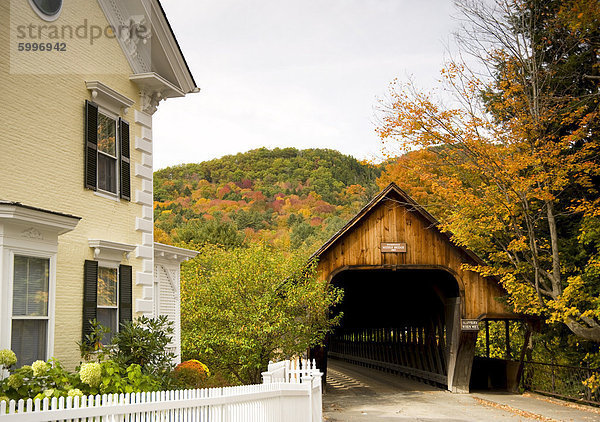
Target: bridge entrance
x,y
404,329
411,305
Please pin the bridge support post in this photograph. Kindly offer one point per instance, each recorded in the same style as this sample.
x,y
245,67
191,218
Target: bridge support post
x,y
460,349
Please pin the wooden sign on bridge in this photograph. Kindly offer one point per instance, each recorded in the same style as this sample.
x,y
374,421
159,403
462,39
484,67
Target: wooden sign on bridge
x,y
387,247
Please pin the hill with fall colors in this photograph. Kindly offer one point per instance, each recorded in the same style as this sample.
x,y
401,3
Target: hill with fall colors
x,y
291,198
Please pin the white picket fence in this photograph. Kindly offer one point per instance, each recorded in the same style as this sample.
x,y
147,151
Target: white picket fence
x,y
299,372
296,400
291,371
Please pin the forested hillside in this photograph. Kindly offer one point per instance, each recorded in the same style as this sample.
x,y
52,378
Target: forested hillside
x,y
288,197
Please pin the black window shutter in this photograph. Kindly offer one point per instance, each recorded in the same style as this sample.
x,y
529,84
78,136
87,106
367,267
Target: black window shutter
x,y
125,160
125,294
90,295
91,144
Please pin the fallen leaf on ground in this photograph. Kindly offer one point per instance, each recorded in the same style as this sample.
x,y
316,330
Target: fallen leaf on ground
x,y
510,409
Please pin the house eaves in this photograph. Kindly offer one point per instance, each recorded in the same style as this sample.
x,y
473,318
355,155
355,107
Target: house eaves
x,y
155,56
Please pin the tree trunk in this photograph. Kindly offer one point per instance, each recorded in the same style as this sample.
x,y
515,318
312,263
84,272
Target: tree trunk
x,y
591,332
556,278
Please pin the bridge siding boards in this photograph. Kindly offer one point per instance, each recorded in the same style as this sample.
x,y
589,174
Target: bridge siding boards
x,y
427,247
392,216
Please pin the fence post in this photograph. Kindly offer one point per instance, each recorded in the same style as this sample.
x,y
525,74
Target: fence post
x,y
307,381
317,402
267,377
588,390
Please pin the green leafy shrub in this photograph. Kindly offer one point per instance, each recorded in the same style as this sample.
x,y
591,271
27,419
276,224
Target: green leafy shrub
x,y
91,348
41,379
144,342
242,307
50,379
137,359
110,377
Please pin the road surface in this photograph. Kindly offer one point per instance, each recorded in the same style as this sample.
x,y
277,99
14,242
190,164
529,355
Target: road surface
x,y
354,393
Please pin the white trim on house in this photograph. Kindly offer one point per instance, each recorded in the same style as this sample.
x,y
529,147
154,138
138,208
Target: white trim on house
x,y
144,223
171,54
7,316
34,232
160,71
167,296
152,81
122,14
153,89
107,251
168,252
157,53
107,195
108,98
46,220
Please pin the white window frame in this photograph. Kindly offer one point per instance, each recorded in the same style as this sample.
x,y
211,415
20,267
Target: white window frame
x,y
102,192
8,302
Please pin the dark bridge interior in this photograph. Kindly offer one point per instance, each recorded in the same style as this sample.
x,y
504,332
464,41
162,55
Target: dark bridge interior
x,y
396,320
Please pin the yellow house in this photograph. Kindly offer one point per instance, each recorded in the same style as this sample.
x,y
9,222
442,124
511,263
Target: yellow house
x,y
80,81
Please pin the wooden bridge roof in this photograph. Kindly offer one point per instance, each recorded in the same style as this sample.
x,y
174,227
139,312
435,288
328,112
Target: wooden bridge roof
x,y
357,245
406,200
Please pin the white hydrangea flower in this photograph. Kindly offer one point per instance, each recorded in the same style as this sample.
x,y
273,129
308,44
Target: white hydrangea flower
x,y
91,373
14,381
7,358
75,392
39,368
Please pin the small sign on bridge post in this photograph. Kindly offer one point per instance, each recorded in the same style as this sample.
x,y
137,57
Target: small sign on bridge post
x,y
393,247
469,325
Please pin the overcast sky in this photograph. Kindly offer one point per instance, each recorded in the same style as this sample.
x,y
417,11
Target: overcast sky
x,y
299,73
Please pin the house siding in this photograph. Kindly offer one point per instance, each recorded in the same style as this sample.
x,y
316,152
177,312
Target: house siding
x,y
42,162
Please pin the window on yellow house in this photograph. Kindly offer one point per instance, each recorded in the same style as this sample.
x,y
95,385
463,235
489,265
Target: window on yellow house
x,y
29,337
107,296
47,9
107,155
107,300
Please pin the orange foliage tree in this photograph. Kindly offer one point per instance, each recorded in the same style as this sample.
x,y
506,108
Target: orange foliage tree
x,y
510,166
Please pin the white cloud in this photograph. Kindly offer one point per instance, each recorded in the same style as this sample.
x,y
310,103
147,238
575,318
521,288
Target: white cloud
x,y
293,73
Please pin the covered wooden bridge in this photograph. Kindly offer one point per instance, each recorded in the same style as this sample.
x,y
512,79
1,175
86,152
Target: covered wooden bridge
x,y
409,306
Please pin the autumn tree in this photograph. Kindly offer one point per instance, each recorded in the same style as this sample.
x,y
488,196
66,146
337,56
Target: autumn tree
x,y
510,162
200,232
241,308
252,196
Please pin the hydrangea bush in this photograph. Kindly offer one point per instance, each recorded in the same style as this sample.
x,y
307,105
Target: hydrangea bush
x,y
41,379
138,359
50,379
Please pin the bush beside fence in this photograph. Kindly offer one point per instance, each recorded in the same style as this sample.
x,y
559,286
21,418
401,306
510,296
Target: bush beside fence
x,y
295,397
566,382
